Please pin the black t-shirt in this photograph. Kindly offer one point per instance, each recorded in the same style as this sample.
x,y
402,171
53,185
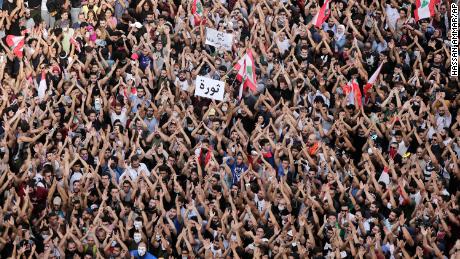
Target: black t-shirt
x,y
122,26
437,151
413,146
198,103
7,6
387,68
69,255
141,17
248,122
358,143
7,251
15,29
286,94
34,3
439,66
75,3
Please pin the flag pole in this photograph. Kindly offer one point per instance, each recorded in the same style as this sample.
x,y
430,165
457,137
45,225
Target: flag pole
x,y
243,81
233,65
240,93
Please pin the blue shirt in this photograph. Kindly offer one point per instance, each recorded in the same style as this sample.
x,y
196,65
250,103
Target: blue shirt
x,y
151,124
135,101
117,170
281,171
144,61
237,170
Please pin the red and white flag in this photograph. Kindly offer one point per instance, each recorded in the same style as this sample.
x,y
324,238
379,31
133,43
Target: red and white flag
x,y
246,72
424,9
322,15
372,80
16,43
353,93
198,12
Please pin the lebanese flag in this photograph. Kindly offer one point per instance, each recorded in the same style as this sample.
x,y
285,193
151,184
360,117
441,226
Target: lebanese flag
x,y
197,11
322,15
353,93
424,9
16,43
372,80
246,74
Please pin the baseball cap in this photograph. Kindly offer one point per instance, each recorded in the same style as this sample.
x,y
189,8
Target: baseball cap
x,y
212,112
57,200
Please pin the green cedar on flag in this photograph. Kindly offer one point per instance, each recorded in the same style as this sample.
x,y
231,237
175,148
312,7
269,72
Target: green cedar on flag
x,y
197,11
424,9
246,74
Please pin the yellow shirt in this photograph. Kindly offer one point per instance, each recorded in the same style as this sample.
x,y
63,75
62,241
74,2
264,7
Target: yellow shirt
x,y
85,10
66,40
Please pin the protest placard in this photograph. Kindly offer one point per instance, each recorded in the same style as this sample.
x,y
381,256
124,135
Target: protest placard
x,y
209,88
219,39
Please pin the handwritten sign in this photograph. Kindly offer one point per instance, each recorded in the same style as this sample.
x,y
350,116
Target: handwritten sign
x,y
219,39
209,88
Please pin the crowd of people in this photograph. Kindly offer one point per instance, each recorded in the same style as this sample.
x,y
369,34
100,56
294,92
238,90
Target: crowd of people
x,y
106,151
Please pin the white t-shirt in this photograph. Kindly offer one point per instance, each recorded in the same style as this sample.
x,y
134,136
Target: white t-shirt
x,y
184,85
133,173
283,45
123,117
260,203
402,148
43,6
393,15
443,121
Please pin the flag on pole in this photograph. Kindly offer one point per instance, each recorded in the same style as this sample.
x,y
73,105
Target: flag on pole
x,y
197,12
352,91
372,80
246,74
322,15
16,43
424,9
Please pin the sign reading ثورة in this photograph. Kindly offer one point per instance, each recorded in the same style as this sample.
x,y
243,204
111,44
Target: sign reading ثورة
x,y
219,39
209,88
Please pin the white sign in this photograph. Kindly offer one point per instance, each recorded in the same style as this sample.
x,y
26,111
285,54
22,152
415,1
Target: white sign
x,y
209,88
219,39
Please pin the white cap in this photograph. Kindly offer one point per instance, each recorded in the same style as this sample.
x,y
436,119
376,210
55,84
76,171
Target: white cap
x,y
137,25
57,200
